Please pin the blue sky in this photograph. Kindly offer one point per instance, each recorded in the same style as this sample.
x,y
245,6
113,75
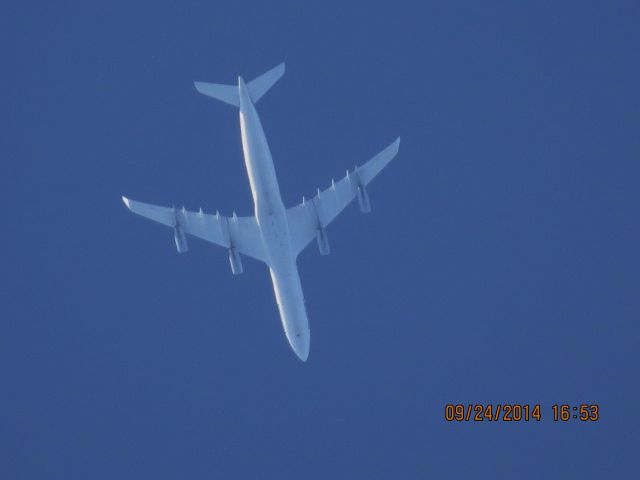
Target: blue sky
x,y
499,263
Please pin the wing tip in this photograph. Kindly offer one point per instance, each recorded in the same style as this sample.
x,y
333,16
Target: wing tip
x,y
395,146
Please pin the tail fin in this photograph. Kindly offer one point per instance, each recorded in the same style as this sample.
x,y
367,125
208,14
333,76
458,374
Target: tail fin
x,y
229,93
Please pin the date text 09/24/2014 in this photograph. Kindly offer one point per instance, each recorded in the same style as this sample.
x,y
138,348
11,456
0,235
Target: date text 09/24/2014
x,y
513,412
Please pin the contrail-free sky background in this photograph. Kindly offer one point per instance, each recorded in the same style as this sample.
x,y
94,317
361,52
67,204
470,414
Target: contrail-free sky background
x,y
500,262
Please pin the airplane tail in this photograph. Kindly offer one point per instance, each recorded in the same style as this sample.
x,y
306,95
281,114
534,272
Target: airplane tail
x,y
230,93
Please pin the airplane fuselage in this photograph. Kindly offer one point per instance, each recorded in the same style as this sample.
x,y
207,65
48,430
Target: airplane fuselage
x,y
271,215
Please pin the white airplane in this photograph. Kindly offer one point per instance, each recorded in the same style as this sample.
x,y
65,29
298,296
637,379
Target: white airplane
x,y
275,235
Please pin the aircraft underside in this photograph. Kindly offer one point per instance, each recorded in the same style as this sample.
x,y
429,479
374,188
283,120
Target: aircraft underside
x,y
275,235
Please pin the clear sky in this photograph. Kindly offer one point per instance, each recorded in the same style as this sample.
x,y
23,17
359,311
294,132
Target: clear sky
x,y
500,262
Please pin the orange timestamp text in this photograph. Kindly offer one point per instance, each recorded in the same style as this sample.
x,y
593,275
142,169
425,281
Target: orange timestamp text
x,y
516,412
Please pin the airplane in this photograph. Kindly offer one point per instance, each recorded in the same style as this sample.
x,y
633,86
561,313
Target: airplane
x,y
274,235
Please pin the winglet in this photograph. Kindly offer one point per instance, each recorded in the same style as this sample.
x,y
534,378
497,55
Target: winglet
x,y
392,149
396,144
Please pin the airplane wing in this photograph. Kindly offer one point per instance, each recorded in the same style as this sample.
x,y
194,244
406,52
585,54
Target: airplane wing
x,y
308,219
239,233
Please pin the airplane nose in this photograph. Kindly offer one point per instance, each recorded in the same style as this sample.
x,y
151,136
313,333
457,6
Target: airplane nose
x,y
300,344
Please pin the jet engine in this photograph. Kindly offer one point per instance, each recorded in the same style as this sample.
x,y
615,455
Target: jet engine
x,y
323,242
235,261
363,199
181,239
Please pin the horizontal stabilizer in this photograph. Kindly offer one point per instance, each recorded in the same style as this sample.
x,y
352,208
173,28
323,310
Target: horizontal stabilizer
x,y
261,85
226,93
230,93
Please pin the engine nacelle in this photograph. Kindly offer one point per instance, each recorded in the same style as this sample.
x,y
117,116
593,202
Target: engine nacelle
x,y
181,239
235,261
363,199
323,242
